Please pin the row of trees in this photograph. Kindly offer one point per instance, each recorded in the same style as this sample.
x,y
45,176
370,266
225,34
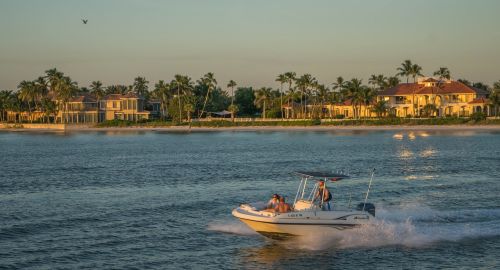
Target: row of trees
x,y
182,98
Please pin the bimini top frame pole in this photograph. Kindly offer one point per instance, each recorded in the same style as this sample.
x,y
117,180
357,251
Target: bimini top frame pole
x,y
368,191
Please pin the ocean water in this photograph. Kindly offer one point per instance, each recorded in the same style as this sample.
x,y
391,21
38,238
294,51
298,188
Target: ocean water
x,y
157,200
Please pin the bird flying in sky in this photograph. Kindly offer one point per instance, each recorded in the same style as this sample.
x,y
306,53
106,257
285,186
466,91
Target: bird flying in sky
x,y
84,21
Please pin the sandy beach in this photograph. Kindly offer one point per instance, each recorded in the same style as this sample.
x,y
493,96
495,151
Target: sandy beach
x,y
76,128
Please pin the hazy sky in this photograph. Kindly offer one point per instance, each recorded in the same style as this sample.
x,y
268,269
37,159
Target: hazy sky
x,y
248,41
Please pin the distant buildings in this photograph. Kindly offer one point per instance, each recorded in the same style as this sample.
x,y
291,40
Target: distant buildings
x,y
443,97
427,97
85,108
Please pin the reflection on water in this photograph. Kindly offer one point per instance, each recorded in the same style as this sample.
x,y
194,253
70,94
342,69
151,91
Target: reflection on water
x,y
429,152
405,154
398,136
268,255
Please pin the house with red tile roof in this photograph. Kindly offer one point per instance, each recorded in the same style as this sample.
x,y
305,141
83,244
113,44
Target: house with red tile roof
x,y
450,98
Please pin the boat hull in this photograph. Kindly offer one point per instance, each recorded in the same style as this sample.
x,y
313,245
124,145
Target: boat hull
x,y
283,231
300,223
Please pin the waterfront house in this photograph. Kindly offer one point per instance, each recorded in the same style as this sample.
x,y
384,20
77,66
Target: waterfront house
x,y
80,109
447,97
129,106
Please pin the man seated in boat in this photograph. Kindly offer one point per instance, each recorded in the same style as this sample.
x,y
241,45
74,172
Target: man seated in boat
x,y
282,207
273,202
323,195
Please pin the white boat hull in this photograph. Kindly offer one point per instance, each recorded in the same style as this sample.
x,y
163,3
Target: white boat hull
x,y
300,223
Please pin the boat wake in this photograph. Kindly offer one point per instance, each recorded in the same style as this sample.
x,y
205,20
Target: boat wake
x,y
410,226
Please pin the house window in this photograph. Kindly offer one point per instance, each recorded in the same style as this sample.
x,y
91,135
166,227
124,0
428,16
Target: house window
x,y
400,100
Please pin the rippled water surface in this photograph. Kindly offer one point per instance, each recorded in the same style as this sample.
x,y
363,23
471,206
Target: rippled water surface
x,y
163,200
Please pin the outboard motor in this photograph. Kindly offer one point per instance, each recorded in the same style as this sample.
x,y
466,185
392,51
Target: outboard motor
x,y
369,207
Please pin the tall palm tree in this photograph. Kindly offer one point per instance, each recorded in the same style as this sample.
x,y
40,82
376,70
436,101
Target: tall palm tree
x,y
353,88
184,87
322,93
494,98
405,69
162,93
231,84
392,82
27,93
339,84
210,82
443,73
262,97
305,82
97,91
65,89
282,79
140,86
41,90
5,103
378,81
415,71
290,78
366,97
53,77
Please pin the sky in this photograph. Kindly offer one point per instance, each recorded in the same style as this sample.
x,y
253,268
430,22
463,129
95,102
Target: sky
x,y
249,41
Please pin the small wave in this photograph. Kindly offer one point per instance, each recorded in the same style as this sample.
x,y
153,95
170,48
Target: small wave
x,y
232,227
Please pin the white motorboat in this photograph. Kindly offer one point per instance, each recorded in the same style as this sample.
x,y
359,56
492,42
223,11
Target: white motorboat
x,y
309,214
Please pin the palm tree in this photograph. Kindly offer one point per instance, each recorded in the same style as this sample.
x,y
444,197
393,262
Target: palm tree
x,y
140,86
378,81
231,84
5,103
354,87
27,93
65,89
262,96
41,90
184,86
116,89
97,91
210,82
339,84
290,78
188,108
443,73
304,83
233,109
392,82
494,98
322,93
429,109
405,70
415,71
366,97
162,93
282,78
380,108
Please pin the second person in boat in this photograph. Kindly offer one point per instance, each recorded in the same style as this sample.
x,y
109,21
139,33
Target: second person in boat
x,y
324,196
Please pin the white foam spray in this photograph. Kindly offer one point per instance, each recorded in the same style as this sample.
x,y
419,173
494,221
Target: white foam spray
x,y
233,227
409,225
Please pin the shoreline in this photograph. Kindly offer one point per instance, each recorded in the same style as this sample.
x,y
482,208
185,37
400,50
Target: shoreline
x,y
263,128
